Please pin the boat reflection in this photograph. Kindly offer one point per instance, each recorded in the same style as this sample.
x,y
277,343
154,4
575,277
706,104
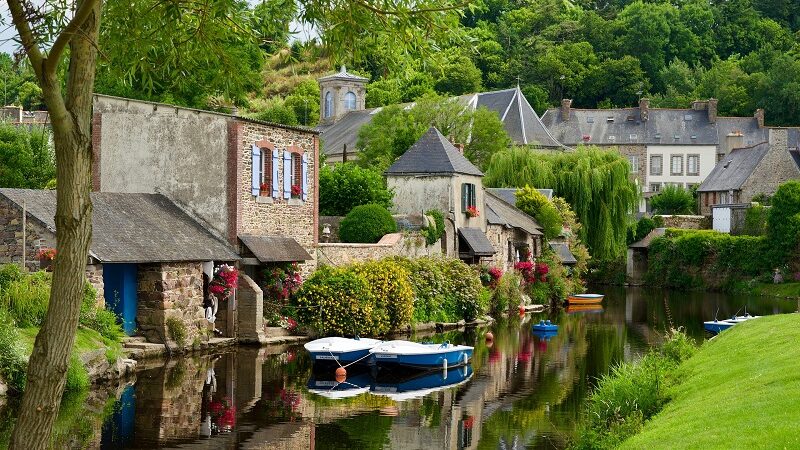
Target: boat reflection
x,y
584,309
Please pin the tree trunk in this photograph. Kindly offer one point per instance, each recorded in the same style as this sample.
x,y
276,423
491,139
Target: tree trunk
x,y
71,120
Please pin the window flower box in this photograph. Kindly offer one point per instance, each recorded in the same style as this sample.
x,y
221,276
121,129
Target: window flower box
x,y
472,212
263,190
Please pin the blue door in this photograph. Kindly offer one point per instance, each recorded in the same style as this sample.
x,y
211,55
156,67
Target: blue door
x,y
120,293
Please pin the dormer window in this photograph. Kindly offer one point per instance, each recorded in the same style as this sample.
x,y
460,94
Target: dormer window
x,y
328,104
349,101
610,119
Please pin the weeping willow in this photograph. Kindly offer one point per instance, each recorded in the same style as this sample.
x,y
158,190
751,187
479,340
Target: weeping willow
x,y
593,181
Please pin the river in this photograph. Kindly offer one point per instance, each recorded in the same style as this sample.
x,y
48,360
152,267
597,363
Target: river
x,y
522,391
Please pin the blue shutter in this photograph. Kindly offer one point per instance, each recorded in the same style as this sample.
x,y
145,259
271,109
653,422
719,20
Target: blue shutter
x,y
287,174
275,171
305,176
256,172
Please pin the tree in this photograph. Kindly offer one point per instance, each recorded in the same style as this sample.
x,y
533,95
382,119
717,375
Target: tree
x,y
593,181
673,200
536,205
459,76
783,221
53,33
26,158
487,138
345,186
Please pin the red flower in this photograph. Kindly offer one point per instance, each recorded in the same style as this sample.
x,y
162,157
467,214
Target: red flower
x,y
263,187
296,190
46,253
472,211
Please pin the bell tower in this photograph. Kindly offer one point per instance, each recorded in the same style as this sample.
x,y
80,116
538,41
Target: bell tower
x,y
339,93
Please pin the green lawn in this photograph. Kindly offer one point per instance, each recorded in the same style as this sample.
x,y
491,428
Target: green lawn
x,y
741,390
778,290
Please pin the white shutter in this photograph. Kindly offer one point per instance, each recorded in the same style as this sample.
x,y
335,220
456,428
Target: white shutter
x,y
305,176
275,171
256,172
287,175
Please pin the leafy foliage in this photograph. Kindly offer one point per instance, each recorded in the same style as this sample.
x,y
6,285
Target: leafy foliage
x,y
389,283
13,363
436,230
508,294
345,186
783,222
26,158
755,220
366,224
594,182
536,205
673,200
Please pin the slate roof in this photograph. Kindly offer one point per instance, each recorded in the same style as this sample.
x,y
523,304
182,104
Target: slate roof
x,y
664,126
563,253
343,74
519,120
500,212
734,169
133,228
432,154
269,249
509,195
477,242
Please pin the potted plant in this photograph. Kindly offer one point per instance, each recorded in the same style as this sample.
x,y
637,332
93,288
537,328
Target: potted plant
x,y
226,279
296,191
46,256
472,212
263,190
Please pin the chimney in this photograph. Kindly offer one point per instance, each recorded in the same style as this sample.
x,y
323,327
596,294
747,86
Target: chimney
x,y
779,138
759,115
700,105
712,110
566,105
733,140
644,109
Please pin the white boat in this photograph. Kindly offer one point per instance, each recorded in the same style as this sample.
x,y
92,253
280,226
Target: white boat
x,y
343,350
413,354
740,319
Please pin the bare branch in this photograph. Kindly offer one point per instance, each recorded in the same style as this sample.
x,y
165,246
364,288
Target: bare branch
x,y
84,11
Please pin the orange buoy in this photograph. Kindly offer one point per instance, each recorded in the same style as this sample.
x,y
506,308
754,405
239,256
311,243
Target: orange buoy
x,y
522,309
341,374
489,336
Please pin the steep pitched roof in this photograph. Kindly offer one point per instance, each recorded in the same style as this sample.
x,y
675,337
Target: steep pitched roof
x,y
433,153
519,120
269,249
733,170
663,126
564,254
500,212
133,228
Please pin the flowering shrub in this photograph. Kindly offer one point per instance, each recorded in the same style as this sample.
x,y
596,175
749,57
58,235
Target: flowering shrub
x,y
287,323
525,268
490,276
389,282
472,211
542,269
296,190
282,281
46,254
226,279
508,293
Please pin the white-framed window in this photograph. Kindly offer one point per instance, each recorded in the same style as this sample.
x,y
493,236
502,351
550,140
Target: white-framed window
x,y
676,165
693,165
328,104
656,164
349,101
634,160
655,187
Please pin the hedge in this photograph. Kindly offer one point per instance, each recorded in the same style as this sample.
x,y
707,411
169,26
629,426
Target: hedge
x,y
366,224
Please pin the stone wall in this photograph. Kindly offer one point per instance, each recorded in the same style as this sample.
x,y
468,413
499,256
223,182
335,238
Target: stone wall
x,y
167,290
250,311
775,168
94,275
686,222
640,152
410,245
279,216
500,236
11,236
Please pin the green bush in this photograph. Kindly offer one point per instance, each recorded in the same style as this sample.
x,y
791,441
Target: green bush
x,y
13,362
8,274
536,205
508,294
177,330
26,299
97,318
339,301
783,222
390,285
344,186
366,224
434,232
673,200
755,220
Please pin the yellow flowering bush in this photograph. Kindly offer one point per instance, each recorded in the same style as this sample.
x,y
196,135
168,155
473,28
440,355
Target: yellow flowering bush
x,y
389,282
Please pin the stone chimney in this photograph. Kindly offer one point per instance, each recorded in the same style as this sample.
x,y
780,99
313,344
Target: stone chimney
x,y
644,109
712,110
759,115
733,140
779,138
459,147
700,105
566,105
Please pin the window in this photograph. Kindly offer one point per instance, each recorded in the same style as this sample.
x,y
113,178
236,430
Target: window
x,y
633,137
723,198
590,120
295,173
612,138
656,164
676,165
349,101
297,169
634,160
328,104
693,165
467,196
655,187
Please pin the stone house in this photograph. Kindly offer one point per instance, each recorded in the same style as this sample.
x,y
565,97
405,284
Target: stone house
x,y
676,147
747,172
147,257
434,175
343,113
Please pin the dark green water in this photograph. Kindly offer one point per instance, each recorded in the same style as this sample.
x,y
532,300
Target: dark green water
x,y
523,391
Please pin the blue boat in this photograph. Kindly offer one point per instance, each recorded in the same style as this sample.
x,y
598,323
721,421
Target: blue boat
x,y
420,385
545,326
413,354
356,384
340,349
717,326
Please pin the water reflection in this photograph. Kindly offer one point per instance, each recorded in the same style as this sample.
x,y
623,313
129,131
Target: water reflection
x,y
521,390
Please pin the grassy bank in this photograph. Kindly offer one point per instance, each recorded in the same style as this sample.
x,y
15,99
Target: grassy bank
x,y
738,391
784,290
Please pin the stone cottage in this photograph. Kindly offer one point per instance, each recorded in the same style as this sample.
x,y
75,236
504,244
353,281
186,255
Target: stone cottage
x,y
747,172
434,174
147,257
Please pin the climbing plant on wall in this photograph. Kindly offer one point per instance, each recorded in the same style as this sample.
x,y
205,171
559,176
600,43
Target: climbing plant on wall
x,y
593,181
